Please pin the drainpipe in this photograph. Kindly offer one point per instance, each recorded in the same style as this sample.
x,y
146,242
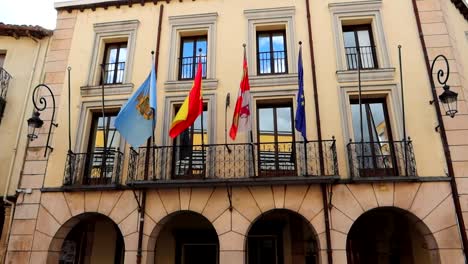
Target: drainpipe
x,y
148,152
323,186
443,136
19,134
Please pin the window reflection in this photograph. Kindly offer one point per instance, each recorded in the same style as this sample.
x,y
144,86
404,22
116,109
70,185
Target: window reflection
x,y
189,154
275,137
190,55
376,150
359,38
114,63
271,57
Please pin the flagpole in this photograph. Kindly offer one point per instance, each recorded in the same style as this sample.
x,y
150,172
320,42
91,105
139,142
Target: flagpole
x,y
403,111
303,100
104,134
361,163
202,128
251,123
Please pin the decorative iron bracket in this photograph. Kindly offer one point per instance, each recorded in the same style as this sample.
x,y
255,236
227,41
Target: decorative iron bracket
x,y
40,104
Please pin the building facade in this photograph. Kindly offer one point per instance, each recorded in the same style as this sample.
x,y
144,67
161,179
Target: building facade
x,y
22,53
372,184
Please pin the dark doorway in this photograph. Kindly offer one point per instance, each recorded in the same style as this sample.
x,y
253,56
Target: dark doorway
x,y
387,236
187,238
280,237
95,239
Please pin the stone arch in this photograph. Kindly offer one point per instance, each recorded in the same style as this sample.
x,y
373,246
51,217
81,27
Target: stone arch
x,y
248,203
191,222
416,243
430,202
57,242
309,237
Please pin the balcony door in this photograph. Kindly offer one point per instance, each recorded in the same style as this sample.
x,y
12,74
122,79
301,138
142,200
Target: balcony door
x,y
376,156
100,165
275,132
359,38
189,153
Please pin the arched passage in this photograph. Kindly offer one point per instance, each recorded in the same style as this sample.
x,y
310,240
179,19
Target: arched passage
x,y
186,238
89,238
281,236
389,235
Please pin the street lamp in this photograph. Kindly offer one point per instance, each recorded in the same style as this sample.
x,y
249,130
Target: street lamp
x,y
447,98
35,122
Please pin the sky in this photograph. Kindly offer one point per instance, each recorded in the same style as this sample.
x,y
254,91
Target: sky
x,y
29,12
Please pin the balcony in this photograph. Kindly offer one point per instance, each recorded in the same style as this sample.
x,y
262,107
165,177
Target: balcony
x,y
368,57
381,160
88,169
272,62
249,163
4,82
113,73
188,67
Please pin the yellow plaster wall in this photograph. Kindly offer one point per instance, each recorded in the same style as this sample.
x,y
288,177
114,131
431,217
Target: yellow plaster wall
x,y
231,33
24,61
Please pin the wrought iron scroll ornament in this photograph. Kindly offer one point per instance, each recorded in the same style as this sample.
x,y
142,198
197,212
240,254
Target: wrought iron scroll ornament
x,y
448,97
40,104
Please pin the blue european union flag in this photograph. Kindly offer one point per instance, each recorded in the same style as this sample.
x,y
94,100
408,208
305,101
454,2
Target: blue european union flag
x,y
300,111
136,119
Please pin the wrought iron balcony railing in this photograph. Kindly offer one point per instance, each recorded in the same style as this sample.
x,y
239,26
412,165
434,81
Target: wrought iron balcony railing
x,y
381,159
94,168
234,161
272,62
113,72
4,82
188,67
368,57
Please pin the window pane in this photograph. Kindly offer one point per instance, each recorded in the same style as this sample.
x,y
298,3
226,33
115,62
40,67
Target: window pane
x,y
123,54
187,48
278,42
201,44
111,55
284,124
349,39
364,38
266,125
264,42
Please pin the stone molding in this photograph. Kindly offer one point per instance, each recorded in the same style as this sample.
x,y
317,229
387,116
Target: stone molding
x,y
84,122
183,86
106,32
366,75
59,211
114,89
271,16
186,24
273,80
369,9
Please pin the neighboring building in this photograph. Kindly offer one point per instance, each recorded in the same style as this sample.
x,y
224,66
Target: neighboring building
x,y
22,53
444,27
352,194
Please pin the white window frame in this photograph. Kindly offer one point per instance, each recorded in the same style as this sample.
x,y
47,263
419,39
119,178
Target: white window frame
x,y
104,33
355,11
180,26
85,120
283,16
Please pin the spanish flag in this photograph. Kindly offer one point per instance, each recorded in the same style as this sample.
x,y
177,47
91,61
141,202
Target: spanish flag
x,y
191,108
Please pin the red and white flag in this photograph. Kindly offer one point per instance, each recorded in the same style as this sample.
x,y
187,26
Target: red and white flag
x,y
241,118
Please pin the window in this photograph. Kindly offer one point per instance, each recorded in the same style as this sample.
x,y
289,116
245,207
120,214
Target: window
x,y
189,153
115,57
2,59
99,168
189,56
358,40
376,154
275,134
271,52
